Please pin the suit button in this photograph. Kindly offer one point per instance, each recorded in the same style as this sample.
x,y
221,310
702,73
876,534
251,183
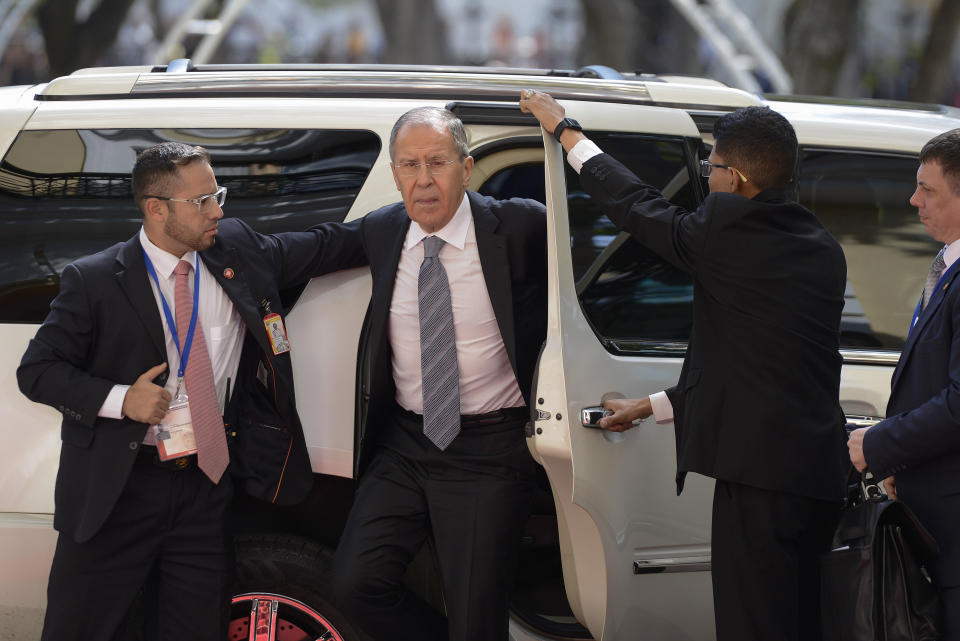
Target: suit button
x,y
61,408
134,445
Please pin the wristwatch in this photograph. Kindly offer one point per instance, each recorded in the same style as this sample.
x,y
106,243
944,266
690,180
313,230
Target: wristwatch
x,y
566,123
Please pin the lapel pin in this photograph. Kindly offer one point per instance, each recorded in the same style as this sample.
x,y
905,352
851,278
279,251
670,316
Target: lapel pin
x,y
228,273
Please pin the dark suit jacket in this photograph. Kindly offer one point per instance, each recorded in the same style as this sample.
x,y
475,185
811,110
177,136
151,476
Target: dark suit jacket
x,y
757,400
920,439
511,241
104,328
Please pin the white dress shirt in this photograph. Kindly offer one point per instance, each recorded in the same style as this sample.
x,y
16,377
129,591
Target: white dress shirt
x,y
223,328
579,154
487,381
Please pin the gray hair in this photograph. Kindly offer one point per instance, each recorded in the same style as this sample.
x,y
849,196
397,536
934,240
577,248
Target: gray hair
x,y
433,117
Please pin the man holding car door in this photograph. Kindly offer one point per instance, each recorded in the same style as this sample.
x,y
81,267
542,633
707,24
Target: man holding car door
x,y
756,406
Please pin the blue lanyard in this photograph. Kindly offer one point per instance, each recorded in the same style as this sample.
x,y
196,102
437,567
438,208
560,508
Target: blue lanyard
x,y
916,312
172,324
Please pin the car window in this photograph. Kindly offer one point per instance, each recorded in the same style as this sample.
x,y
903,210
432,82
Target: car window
x,y
634,300
65,194
637,303
863,199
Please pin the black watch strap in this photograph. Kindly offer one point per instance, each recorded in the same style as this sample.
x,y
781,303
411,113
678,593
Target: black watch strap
x,y
566,123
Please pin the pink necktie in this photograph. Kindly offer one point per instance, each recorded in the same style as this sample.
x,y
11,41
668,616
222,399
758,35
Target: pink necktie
x,y
212,455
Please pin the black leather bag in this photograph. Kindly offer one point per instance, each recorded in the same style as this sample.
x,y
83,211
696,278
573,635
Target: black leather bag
x,y
875,581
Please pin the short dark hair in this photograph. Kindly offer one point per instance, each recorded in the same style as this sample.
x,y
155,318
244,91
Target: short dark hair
x,y
156,167
433,117
759,142
944,150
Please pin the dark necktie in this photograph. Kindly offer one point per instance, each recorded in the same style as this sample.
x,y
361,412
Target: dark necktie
x,y
212,455
933,277
440,375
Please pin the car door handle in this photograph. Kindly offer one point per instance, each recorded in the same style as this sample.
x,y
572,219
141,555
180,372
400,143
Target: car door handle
x,y
855,422
590,416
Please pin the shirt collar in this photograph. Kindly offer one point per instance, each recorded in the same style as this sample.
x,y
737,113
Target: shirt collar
x,y
453,233
163,261
951,253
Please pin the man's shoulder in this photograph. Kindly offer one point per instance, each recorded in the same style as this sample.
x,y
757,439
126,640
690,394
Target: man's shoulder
x,y
510,206
779,211
393,210
104,260
234,234
386,216
515,215
234,230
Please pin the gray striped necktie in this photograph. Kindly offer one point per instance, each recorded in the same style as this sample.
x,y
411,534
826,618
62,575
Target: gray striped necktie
x,y
933,277
438,349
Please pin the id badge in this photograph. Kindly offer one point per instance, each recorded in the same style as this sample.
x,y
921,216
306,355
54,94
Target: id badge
x,y
277,333
175,436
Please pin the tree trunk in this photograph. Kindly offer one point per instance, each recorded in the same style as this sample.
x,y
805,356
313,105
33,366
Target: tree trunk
x,y
666,43
72,45
648,36
817,34
414,32
611,30
933,82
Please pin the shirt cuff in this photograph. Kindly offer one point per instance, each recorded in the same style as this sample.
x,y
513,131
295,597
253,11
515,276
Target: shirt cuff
x,y
113,406
662,408
582,152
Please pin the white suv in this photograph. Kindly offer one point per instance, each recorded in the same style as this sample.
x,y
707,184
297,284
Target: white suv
x,y
611,550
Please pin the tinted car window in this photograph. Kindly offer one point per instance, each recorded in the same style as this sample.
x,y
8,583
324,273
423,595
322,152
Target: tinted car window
x,y
65,194
863,199
638,303
633,299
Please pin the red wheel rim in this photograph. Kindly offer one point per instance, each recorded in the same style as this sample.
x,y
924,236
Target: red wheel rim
x,y
261,616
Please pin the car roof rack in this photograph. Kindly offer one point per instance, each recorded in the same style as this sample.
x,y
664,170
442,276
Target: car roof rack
x,y
182,79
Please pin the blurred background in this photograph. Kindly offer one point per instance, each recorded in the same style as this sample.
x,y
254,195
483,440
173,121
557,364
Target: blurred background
x,y
891,49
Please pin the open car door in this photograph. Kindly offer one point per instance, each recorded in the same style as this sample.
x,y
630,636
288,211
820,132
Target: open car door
x,y
635,556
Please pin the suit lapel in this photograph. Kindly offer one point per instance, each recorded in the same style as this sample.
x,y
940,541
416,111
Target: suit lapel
x,y
135,282
494,261
223,261
922,322
395,232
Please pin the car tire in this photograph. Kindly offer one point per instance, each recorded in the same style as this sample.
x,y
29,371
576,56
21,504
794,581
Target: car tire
x,y
289,576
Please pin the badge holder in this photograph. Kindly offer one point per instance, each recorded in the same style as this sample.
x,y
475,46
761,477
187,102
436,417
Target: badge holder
x,y
175,437
276,332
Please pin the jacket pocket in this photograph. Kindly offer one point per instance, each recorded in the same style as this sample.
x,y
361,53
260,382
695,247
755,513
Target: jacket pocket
x,y
76,435
693,377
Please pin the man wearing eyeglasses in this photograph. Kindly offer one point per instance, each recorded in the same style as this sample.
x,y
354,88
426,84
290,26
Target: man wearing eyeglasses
x,y
138,353
457,317
756,406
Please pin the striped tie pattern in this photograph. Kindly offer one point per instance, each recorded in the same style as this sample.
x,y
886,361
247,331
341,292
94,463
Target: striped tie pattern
x,y
440,374
933,277
212,455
